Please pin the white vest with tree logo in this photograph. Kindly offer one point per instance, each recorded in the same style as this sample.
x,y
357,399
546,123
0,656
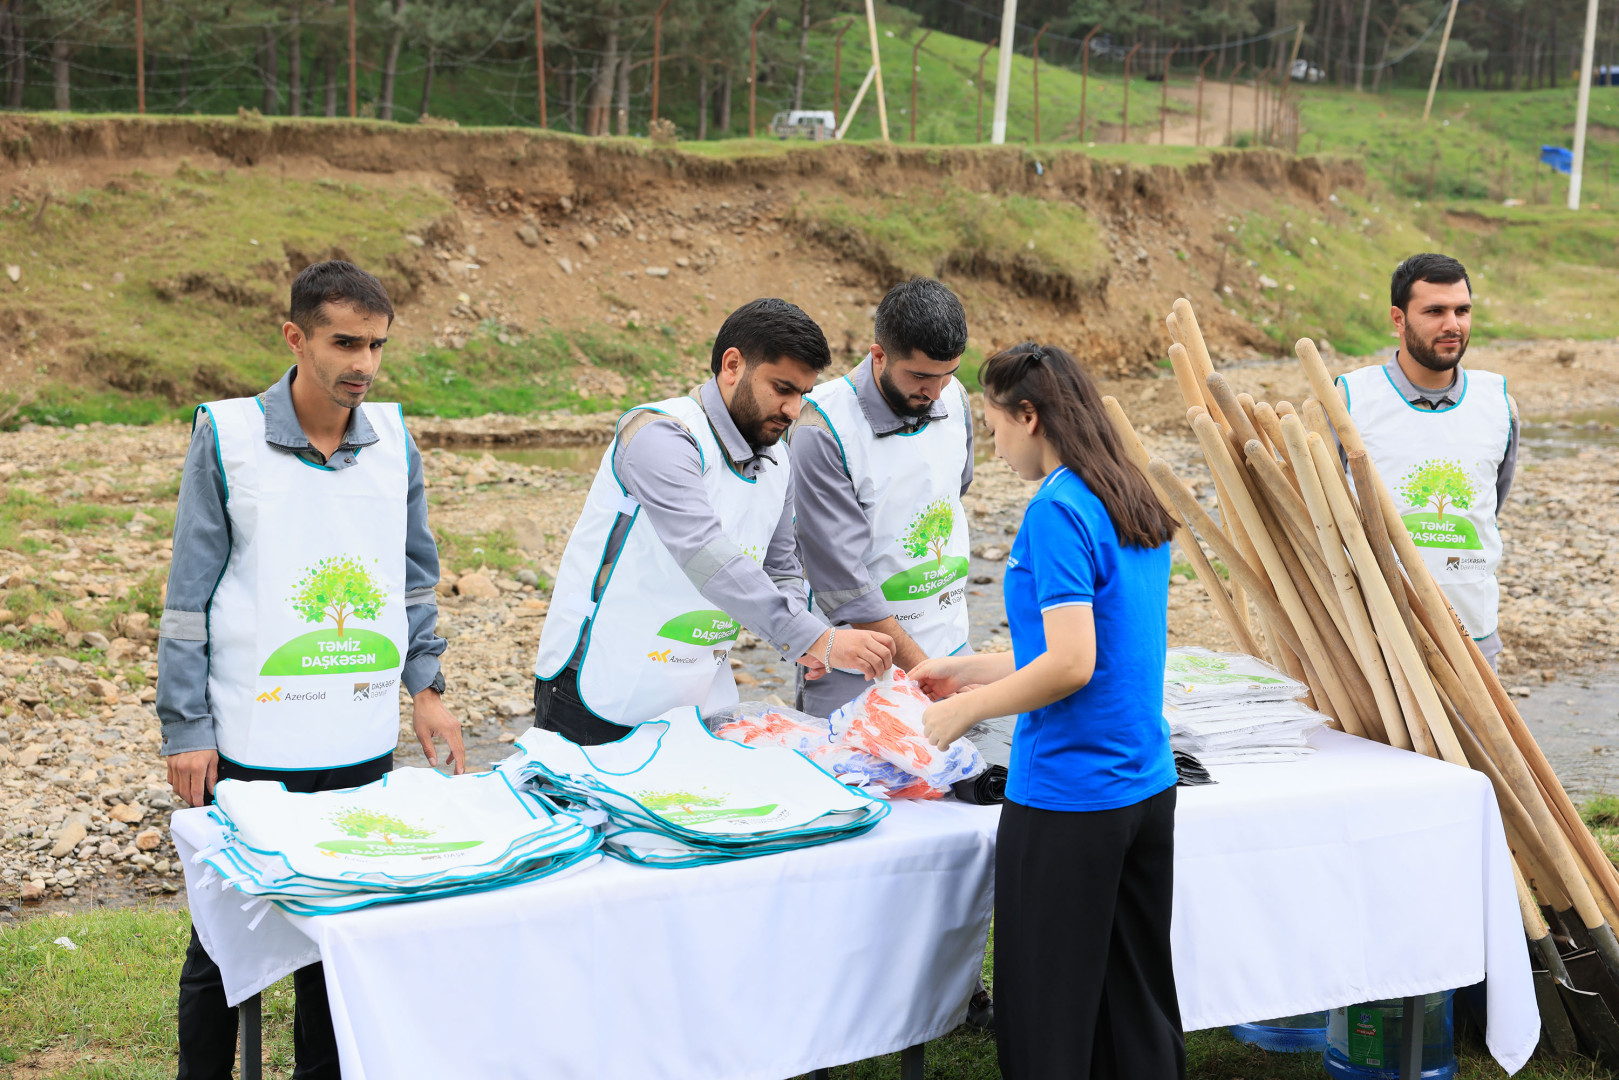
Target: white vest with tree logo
x,y
309,545
1441,466
652,642
909,485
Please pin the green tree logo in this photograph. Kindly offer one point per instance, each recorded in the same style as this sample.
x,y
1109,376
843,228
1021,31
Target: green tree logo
x,y
677,800
1441,483
337,588
369,824
930,531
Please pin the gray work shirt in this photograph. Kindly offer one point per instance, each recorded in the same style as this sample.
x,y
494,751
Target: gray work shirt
x,y
1445,398
202,543
833,530
661,467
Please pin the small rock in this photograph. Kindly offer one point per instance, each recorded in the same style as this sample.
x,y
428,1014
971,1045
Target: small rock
x,y
477,586
415,241
513,707
127,814
678,235
1516,691
507,736
66,663
97,640
33,890
528,577
657,271
991,554
983,579
29,755
14,272
1178,579
148,840
589,242
1267,282
744,679
105,690
69,838
120,650
528,234
566,264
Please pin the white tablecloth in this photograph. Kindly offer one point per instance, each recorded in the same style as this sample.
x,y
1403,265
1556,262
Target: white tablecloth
x,y
1358,873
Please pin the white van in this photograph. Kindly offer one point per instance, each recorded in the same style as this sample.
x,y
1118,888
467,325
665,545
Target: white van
x,y
816,124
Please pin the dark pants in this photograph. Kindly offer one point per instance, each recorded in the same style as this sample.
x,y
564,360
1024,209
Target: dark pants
x,y
559,708
207,1024
1084,988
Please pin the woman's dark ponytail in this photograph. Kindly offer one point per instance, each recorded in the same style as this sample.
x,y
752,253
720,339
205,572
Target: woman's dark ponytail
x,y
1050,381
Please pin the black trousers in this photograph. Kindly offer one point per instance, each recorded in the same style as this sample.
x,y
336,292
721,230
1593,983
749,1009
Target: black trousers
x,y
207,1024
559,708
1084,988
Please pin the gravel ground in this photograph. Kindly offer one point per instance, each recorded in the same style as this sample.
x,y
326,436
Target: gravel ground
x,y
83,801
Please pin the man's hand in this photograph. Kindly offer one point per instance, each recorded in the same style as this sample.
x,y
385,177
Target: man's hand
x,y
433,721
192,775
864,651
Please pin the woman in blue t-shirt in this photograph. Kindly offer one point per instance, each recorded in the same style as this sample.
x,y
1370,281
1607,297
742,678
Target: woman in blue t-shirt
x,y
1084,865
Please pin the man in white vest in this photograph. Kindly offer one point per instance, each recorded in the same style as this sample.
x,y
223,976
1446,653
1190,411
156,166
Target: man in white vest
x,y
1444,438
686,538
300,599
884,456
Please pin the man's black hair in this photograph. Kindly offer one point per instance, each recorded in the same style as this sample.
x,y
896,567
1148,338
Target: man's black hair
x,y
921,315
335,282
1425,266
767,329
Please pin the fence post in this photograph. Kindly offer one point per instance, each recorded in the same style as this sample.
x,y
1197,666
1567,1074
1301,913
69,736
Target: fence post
x,y
1163,103
1198,139
354,92
914,51
1037,38
657,53
1231,100
1085,76
753,70
539,60
140,59
981,56
1124,131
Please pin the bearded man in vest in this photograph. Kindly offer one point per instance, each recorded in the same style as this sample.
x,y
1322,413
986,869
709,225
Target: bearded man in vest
x,y
299,508
1444,438
686,538
884,455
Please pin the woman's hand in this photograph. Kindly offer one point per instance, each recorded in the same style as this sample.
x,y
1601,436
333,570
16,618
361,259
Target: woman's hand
x,y
941,676
946,721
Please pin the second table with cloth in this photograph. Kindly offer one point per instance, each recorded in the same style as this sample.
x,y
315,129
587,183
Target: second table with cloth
x,y
1357,873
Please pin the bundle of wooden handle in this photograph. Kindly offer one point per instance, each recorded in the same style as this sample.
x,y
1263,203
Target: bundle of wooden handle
x,y
1343,601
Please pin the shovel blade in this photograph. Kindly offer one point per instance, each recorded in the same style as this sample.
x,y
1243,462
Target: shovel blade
x,y
1595,1024
1556,1031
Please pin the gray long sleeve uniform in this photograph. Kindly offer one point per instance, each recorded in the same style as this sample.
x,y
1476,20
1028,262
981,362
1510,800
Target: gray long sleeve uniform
x,y
661,467
834,531
202,543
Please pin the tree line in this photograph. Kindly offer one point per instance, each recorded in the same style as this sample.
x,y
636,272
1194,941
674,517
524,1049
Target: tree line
x,y
476,59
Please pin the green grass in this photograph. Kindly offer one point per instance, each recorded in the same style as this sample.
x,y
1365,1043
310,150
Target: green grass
x,y
106,1010
1045,247
495,549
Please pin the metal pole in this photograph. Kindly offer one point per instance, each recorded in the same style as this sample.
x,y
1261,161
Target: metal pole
x,y
1198,139
1439,61
753,69
854,106
140,59
837,70
1163,102
1231,100
539,55
1124,131
914,51
252,1038
354,92
1582,110
1411,1017
1037,38
1085,77
980,85
657,55
1003,70
877,69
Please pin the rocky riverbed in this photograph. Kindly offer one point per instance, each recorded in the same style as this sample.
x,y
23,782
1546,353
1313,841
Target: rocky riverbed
x,y
84,551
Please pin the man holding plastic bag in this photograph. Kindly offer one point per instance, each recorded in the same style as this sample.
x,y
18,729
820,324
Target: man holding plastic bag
x,y
884,456
686,537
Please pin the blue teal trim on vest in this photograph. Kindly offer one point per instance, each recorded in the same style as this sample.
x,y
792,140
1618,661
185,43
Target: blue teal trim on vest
x,y
218,457
923,426
851,385
1412,407
1506,399
842,455
1340,382
729,464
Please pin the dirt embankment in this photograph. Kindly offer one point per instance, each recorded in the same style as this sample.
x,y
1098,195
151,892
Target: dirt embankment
x,y
558,231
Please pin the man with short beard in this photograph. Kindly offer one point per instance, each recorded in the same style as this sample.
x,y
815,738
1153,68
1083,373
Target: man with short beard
x,y
1444,439
884,456
687,537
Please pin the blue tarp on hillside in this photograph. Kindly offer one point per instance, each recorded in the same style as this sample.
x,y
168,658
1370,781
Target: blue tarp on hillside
x,y
1558,157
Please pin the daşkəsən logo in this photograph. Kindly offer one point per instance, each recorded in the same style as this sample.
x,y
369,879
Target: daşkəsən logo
x,y
365,691
340,588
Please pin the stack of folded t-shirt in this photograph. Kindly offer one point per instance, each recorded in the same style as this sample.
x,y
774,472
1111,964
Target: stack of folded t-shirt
x,y
413,835
1233,709
675,795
